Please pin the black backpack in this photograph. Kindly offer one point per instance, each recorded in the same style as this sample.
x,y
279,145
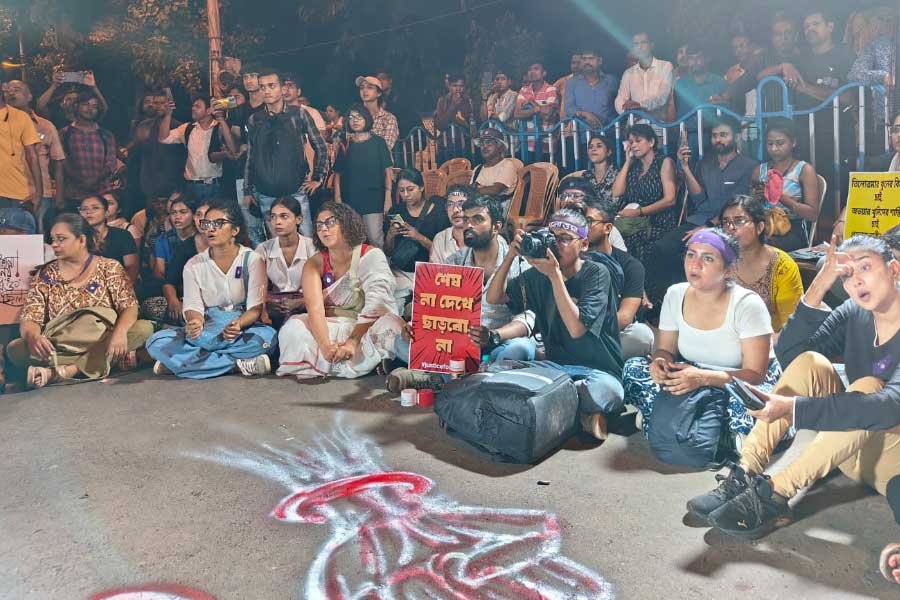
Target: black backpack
x,y
277,163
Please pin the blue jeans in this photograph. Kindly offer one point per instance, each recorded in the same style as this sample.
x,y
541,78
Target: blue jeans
x,y
598,391
186,360
258,226
205,191
16,205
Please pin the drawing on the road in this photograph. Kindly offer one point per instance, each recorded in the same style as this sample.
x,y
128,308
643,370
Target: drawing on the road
x,y
153,592
392,536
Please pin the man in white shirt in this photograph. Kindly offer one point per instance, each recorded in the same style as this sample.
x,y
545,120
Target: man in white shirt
x,y
497,177
202,170
647,85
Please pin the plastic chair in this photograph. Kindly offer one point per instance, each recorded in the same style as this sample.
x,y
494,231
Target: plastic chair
x,y
459,177
435,183
454,165
536,190
823,189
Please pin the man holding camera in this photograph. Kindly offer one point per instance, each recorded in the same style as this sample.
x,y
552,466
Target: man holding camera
x,y
575,313
202,169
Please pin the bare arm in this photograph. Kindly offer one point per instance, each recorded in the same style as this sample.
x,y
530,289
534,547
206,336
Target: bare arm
x,y
618,186
32,160
388,189
337,187
668,200
568,309
59,175
494,189
165,124
496,292
806,207
311,281
628,308
131,266
755,351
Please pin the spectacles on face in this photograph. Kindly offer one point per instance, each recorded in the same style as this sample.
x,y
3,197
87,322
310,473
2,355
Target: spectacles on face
x,y
894,129
591,222
58,240
454,204
356,117
734,223
328,223
210,224
571,196
565,240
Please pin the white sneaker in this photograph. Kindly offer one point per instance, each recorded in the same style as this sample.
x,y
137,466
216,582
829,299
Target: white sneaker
x,y
252,367
161,369
402,378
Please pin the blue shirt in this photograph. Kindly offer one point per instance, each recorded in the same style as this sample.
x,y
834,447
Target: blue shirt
x,y
598,99
690,94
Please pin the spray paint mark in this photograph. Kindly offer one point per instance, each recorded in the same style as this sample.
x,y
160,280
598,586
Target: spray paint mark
x,y
392,537
153,592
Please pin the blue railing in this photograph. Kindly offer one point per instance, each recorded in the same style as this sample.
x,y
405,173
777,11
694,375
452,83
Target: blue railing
x,y
574,133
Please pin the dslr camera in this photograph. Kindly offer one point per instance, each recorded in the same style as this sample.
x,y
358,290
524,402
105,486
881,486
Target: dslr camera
x,y
536,244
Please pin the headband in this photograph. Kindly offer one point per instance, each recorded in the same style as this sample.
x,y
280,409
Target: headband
x,y
708,237
579,231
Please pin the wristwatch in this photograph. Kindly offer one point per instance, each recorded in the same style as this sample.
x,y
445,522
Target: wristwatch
x,y
494,337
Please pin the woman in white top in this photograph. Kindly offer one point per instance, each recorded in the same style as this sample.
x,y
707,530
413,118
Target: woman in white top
x,y
224,292
285,255
351,321
710,331
447,241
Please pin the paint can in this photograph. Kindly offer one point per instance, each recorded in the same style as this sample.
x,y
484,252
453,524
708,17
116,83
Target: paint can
x,y
408,397
457,367
426,397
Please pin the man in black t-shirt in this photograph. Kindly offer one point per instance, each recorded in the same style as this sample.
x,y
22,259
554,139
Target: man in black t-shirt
x,y
574,306
636,338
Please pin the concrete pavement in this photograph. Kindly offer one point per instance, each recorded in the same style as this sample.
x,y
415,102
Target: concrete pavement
x,y
270,489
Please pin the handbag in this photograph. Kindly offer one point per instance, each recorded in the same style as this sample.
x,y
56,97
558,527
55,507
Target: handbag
x,y
629,226
777,221
217,319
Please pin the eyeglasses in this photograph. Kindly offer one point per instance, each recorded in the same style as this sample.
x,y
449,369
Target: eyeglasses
x,y
452,204
894,129
734,223
571,196
591,222
327,223
565,240
207,224
356,117
58,240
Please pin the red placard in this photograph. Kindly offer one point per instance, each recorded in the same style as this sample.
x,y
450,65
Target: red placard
x,y
446,304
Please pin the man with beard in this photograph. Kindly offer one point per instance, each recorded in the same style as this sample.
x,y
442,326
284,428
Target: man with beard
x,y
711,182
696,88
501,335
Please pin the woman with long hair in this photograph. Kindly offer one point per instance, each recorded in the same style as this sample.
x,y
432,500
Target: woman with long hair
x,y
110,242
224,292
765,269
351,321
788,185
80,314
602,174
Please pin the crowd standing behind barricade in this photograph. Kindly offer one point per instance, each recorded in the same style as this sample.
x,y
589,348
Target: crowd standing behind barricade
x,y
266,236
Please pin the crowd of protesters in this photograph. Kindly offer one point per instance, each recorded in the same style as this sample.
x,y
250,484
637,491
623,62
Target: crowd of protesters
x,y
265,236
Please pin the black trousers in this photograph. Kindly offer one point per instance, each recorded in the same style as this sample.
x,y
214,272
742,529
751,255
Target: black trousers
x,y
893,497
666,268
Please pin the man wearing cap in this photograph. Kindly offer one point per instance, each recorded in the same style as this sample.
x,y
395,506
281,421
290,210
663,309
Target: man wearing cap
x,y
497,176
18,222
50,150
19,160
384,123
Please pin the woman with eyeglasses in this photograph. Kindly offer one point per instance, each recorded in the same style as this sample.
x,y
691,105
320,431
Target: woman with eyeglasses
x,y
351,321
285,255
110,242
789,185
363,173
80,317
711,330
224,292
765,269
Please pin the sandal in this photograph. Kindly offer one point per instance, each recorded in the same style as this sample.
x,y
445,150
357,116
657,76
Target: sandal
x,y
886,554
38,377
128,362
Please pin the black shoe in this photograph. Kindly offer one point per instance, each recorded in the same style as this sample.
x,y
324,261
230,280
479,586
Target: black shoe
x,y
729,487
754,512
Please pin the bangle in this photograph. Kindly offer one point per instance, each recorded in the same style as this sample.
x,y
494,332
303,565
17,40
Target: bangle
x,y
641,210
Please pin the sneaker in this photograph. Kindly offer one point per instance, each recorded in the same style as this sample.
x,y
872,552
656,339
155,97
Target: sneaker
x,y
729,486
253,367
161,369
595,424
403,379
754,512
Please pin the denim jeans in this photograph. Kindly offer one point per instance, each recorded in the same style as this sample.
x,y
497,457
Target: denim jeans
x,y
258,227
16,205
598,391
204,191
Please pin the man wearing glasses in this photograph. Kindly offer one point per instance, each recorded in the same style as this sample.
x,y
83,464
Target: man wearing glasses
x,y
719,176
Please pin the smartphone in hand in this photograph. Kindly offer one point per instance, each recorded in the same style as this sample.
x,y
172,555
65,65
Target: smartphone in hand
x,y
743,394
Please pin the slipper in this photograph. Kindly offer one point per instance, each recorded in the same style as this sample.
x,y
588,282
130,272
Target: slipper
x,y
886,554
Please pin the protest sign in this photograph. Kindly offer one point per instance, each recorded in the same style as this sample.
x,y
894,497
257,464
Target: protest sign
x,y
446,304
19,255
873,205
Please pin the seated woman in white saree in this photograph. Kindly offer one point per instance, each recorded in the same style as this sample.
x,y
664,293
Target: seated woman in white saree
x,y
351,321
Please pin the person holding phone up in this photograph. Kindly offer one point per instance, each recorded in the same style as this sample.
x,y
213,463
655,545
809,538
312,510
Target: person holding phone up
x,y
863,442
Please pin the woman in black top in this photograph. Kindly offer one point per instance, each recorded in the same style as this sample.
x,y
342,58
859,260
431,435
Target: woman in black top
x,y
363,173
111,242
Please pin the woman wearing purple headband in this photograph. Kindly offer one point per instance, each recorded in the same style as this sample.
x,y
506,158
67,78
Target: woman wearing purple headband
x,y
710,331
574,304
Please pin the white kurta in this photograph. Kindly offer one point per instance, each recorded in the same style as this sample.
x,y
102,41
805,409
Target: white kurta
x,y
205,285
285,277
301,356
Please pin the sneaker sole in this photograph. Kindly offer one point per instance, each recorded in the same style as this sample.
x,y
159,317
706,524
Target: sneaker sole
x,y
705,518
759,532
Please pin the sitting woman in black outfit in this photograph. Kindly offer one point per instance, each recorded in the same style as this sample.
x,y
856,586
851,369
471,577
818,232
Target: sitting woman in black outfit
x,y
110,242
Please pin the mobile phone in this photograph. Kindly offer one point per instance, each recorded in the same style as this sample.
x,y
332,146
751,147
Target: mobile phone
x,y
168,92
742,392
227,103
73,77
398,219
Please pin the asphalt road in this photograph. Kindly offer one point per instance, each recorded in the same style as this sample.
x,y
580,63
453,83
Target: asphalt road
x,y
270,489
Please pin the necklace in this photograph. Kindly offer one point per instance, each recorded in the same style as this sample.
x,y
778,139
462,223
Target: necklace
x,y
87,263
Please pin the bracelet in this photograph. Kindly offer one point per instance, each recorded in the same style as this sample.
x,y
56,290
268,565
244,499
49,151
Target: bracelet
x,y
641,210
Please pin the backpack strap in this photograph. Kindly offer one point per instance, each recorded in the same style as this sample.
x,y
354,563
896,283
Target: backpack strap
x,y
245,277
187,133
